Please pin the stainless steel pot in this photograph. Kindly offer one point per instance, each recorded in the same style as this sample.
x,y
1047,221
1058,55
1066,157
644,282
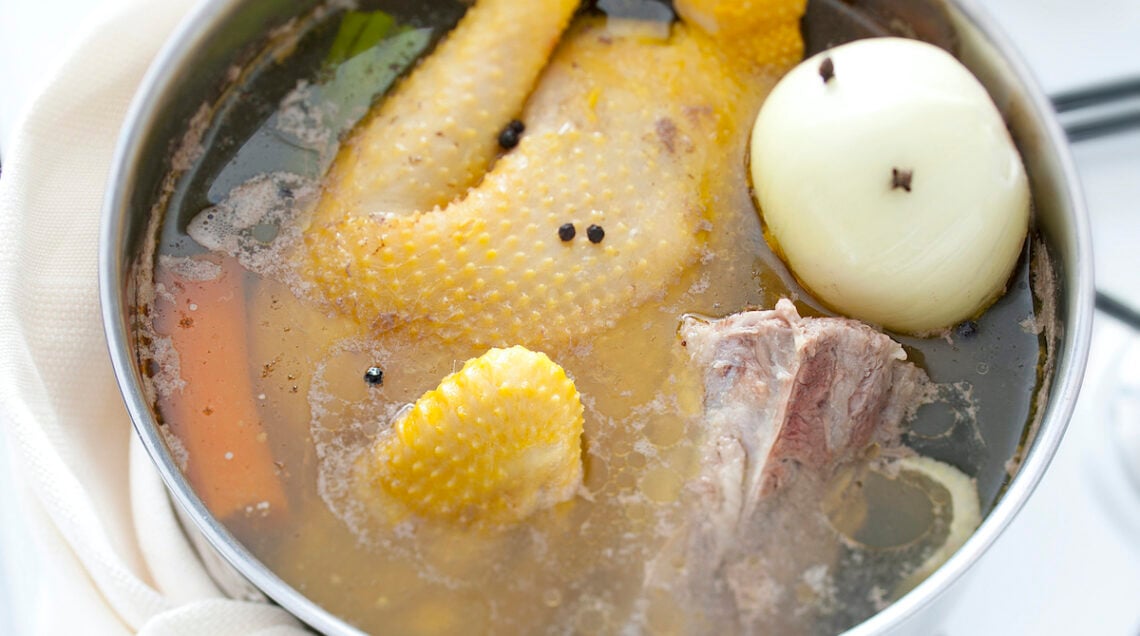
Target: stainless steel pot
x,y
191,71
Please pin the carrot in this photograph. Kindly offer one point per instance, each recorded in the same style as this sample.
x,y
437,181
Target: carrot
x,y
229,461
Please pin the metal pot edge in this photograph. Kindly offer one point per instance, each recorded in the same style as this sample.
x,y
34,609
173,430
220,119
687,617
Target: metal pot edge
x,y
115,265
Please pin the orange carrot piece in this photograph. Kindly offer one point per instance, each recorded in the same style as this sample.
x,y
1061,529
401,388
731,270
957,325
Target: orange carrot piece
x,y
229,461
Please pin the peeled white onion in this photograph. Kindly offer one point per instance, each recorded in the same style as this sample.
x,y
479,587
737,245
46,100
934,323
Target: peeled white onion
x,y
829,165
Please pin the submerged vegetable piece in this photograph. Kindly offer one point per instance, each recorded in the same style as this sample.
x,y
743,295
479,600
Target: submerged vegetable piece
x,y
963,509
228,457
358,32
436,135
892,187
638,135
494,443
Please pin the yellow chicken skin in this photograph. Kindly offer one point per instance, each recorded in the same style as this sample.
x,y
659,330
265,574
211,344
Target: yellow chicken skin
x,y
437,133
495,442
633,134
761,32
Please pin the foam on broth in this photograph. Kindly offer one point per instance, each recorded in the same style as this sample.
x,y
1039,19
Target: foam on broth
x,y
579,566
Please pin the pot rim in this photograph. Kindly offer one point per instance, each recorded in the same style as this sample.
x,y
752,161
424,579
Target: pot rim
x,y
144,113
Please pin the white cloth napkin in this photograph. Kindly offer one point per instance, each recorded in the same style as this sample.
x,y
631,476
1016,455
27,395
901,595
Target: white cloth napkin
x,y
114,558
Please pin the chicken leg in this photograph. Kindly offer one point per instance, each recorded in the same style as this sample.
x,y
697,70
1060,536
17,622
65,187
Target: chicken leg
x,y
436,135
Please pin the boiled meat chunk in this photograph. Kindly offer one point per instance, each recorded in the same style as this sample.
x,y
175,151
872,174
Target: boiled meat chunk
x,y
785,394
789,401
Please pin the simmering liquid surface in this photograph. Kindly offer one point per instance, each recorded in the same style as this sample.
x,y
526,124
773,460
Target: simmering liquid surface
x,y
579,566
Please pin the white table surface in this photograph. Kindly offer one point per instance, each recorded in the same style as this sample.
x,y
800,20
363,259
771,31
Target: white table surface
x,y
1070,562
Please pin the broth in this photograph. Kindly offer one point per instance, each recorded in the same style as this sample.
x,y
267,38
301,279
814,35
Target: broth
x,y
578,566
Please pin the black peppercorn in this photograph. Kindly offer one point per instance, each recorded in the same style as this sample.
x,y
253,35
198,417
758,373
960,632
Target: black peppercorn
x,y
595,233
566,231
509,138
374,376
967,329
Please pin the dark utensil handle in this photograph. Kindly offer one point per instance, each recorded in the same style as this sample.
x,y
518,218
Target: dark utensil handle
x,y
1099,110
1094,112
